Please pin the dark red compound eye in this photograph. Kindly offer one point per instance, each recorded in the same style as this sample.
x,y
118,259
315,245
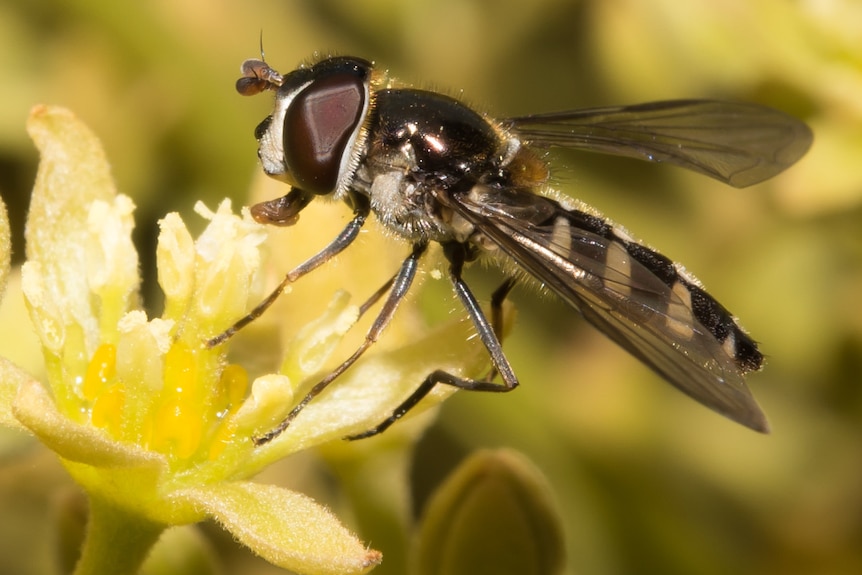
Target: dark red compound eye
x,y
318,126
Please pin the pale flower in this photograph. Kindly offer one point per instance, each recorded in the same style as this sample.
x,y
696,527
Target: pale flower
x,y
155,426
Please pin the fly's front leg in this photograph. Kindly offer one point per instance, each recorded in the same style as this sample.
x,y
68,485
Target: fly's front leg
x,y
400,285
288,214
456,253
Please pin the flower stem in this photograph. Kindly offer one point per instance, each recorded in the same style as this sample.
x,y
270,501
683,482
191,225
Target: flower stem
x,y
117,540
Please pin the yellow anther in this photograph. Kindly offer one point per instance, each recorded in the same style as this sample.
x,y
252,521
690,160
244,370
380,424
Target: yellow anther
x,y
108,409
177,427
233,388
178,422
223,436
234,385
180,369
100,371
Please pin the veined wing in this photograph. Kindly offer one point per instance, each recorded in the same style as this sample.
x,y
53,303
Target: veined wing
x,y
737,143
634,295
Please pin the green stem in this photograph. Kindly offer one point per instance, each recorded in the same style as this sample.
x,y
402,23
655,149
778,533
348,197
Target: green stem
x,y
117,541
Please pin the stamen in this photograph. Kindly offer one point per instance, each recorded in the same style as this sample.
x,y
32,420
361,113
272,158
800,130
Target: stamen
x,y
107,411
100,371
233,389
178,422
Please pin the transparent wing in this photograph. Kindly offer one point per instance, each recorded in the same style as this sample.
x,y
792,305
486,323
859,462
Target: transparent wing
x,y
737,143
620,296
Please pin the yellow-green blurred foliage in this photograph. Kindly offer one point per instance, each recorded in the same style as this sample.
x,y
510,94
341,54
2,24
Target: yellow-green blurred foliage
x,y
647,480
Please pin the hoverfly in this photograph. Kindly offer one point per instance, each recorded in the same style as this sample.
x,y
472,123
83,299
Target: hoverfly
x,y
432,169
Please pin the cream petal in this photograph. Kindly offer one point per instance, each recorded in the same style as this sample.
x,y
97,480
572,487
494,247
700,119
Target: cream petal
x,y
284,527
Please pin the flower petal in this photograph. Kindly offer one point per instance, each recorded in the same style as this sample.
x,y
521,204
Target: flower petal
x,y
228,257
73,174
5,248
12,377
314,343
284,527
35,409
368,392
175,255
112,261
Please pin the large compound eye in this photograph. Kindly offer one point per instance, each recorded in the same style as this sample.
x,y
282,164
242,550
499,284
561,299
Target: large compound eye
x,y
319,125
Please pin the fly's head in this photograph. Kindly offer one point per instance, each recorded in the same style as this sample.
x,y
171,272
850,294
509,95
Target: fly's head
x,y
314,137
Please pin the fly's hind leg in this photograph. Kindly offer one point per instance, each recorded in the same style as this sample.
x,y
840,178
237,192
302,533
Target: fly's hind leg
x,y
497,298
489,334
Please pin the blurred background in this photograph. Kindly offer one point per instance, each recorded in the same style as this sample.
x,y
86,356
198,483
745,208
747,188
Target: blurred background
x,y
645,479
